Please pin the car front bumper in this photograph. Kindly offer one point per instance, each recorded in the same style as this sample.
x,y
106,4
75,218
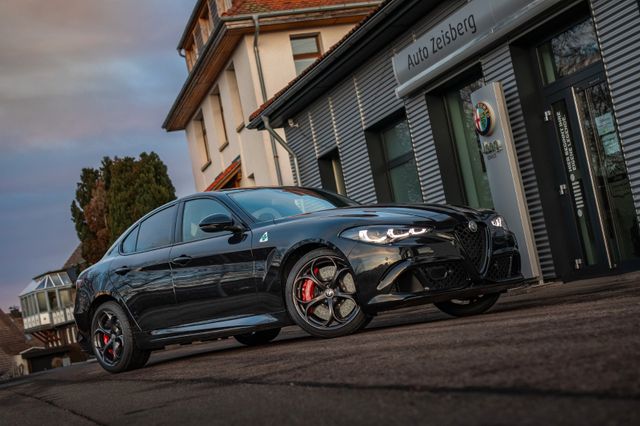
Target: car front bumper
x,y
434,269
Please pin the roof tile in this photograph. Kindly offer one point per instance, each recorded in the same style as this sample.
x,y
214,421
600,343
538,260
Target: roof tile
x,y
246,7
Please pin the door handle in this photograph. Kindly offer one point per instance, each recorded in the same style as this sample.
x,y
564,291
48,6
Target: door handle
x,y
182,260
123,270
562,189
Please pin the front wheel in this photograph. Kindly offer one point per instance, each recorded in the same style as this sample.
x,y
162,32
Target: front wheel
x,y
258,337
321,295
467,307
112,340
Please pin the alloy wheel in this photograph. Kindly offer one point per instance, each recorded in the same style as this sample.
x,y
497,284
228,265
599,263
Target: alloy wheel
x,y
108,339
324,293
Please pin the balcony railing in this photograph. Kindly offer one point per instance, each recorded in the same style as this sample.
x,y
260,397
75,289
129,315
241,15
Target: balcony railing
x,y
49,319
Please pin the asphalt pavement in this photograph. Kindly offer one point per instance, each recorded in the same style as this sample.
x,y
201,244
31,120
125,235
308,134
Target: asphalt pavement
x,y
555,354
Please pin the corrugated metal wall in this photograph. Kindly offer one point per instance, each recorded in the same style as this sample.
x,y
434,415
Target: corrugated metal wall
x,y
340,119
425,150
618,28
498,66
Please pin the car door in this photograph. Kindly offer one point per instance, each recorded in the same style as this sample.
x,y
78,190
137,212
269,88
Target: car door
x,y
141,273
213,273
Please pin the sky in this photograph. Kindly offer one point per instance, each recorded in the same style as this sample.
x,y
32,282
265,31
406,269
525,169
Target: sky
x,y
79,80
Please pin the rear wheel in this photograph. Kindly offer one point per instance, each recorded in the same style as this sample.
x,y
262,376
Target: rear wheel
x,y
112,340
258,337
467,307
321,295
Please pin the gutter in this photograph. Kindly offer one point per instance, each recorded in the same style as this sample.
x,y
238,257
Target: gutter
x,y
283,143
263,90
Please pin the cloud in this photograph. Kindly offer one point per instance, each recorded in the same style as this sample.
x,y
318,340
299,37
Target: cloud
x,y
79,80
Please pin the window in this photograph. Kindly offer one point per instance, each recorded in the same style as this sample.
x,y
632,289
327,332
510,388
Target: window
x,y
205,24
306,49
199,42
191,57
194,212
569,52
267,204
238,115
156,231
66,298
53,300
129,243
218,117
42,302
331,172
466,143
393,164
200,126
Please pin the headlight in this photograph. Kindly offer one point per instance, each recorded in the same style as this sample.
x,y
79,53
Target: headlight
x,y
499,222
383,234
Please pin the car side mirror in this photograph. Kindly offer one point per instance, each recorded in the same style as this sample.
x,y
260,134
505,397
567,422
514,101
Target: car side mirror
x,y
218,222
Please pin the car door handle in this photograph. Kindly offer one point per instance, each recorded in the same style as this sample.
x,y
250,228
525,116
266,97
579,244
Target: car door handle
x,y
123,270
182,260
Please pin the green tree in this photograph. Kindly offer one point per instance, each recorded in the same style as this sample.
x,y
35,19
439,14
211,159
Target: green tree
x,y
84,192
110,199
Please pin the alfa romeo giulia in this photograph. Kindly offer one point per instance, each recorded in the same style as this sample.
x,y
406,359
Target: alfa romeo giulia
x,y
247,262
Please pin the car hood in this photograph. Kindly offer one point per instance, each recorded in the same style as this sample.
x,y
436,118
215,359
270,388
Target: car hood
x,y
400,212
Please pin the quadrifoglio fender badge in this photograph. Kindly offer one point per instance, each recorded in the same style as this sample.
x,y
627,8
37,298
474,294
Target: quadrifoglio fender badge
x,y
264,238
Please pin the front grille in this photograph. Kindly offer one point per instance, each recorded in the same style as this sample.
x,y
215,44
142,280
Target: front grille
x,y
444,276
504,267
474,244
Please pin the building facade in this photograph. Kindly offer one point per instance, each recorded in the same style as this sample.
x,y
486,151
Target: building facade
x,y
46,305
47,309
12,343
238,55
388,116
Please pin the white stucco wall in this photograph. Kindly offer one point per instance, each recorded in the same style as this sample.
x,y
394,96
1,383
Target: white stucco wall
x,y
254,147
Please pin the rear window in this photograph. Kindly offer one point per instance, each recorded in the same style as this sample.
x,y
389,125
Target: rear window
x,y
156,230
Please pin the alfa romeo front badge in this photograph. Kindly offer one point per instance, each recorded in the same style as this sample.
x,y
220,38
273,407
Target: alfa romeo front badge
x,y
473,227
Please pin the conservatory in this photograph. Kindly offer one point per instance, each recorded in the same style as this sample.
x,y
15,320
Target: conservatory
x,y
47,303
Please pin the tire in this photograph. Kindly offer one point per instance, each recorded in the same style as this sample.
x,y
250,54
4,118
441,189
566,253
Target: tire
x,y
321,298
464,308
258,338
112,340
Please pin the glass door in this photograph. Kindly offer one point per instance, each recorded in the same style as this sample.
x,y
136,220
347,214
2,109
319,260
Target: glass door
x,y
596,230
608,171
593,187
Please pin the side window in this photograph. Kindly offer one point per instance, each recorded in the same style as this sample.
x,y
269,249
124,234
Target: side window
x,y
129,243
194,212
156,231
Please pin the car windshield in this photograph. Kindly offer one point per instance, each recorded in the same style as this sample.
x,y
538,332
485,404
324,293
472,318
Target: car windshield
x,y
270,203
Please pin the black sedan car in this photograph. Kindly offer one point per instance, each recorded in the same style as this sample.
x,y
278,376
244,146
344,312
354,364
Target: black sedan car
x,y
246,262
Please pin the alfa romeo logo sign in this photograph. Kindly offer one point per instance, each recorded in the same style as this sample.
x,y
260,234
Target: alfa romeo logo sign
x,y
483,119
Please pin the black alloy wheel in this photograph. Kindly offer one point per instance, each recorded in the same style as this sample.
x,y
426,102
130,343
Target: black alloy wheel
x,y
321,295
113,342
257,338
467,307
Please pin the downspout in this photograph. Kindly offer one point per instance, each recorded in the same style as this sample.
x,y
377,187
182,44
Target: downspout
x,y
283,143
263,89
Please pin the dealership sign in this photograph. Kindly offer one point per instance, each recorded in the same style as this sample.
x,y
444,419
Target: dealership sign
x,y
461,35
503,173
483,119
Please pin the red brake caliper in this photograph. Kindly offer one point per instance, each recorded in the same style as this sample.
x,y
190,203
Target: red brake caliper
x,y
105,340
308,290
